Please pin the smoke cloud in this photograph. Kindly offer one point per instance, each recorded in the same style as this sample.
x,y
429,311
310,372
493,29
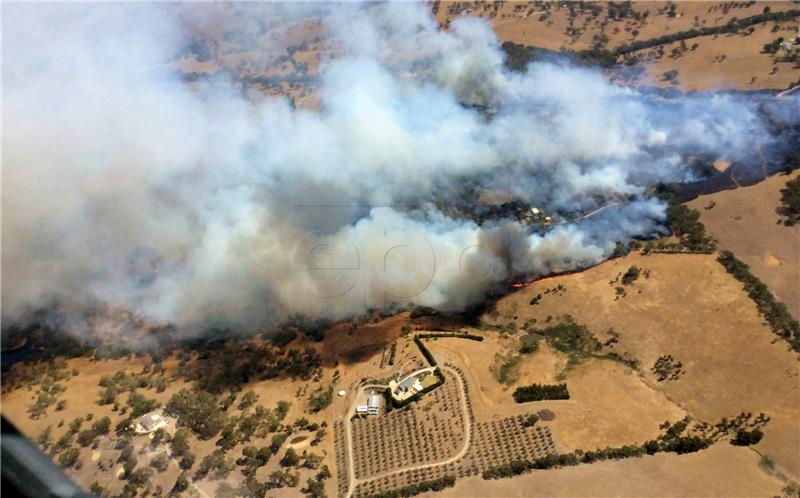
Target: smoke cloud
x,y
124,187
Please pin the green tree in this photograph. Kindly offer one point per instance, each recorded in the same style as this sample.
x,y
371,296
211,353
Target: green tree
x,y
158,436
187,460
86,437
747,438
69,458
180,442
290,458
45,438
790,203
160,462
181,483
102,426
199,411
248,399
315,488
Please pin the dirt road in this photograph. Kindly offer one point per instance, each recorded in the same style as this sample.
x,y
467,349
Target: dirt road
x,y
465,413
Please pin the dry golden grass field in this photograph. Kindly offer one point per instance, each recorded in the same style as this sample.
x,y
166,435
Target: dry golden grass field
x,y
691,309
718,62
744,221
590,419
718,471
687,307
290,47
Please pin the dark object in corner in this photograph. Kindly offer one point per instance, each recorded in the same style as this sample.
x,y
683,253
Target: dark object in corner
x,y
29,473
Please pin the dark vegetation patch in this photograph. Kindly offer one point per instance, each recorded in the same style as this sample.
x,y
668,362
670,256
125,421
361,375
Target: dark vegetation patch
x,y
631,275
507,371
666,368
428,355
320,399
539,392
199,411
219,366
518,56
747,438
578,343
685,224
425,351
283,337
530,420
529,343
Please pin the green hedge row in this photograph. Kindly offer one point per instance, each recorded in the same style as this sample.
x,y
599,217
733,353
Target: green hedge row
x,y
471,337
427,354
538,392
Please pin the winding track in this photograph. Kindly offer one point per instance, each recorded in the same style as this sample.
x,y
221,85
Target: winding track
x,y
353,482
588,215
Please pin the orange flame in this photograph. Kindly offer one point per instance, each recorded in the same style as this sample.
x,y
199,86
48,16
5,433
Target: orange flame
x,y
519,285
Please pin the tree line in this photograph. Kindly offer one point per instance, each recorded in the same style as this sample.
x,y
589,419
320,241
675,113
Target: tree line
x,y
539,392
775,312
789,209
427,354
675,443
420,487
608,58
731,26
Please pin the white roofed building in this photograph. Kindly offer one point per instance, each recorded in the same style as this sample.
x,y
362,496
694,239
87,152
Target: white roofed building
x,y
374,404
150,422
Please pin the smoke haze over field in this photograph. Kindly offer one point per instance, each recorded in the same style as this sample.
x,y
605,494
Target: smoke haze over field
x,y
125,187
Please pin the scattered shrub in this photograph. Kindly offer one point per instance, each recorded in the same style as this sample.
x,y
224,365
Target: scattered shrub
x,y
631,275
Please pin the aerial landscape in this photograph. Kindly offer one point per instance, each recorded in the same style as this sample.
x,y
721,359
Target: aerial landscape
x,y
350,250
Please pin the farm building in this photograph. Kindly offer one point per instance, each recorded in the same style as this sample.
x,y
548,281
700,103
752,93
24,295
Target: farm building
x,y
150,422
373,406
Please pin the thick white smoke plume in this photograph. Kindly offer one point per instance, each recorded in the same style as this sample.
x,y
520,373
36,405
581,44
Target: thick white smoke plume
x,y
124,186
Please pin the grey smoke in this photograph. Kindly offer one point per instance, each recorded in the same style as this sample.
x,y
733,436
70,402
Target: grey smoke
x,y
128,189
